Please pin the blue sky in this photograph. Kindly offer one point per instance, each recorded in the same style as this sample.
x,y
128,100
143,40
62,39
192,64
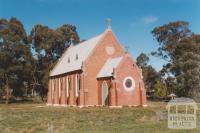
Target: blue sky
x,y
132,20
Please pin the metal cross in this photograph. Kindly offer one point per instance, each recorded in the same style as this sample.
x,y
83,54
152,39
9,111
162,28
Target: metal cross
x,y
108,23
126,48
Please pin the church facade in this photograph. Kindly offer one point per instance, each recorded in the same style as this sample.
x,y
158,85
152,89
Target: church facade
x,y
96,72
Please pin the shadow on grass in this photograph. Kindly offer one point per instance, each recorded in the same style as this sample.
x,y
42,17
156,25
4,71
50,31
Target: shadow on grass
x,y
23,101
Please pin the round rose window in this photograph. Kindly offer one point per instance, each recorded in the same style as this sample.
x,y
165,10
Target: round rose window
x,y
110,50
129,84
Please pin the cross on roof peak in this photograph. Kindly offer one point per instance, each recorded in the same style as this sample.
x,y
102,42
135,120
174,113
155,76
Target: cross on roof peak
x,y
126,48
108,21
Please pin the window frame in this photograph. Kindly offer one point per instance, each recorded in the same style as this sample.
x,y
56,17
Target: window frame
x,y
132,86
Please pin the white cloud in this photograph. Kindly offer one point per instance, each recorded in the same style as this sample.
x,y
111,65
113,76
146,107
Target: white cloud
x,y
149,19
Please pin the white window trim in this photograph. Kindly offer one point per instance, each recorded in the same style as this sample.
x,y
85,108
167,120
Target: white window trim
x,y
76,85
67,80
133,84
59,87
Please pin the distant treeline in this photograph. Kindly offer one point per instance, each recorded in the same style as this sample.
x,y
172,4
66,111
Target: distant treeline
x,y
26,59
180,48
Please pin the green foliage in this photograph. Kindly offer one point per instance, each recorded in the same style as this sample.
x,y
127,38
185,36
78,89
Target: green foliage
x,y
25,61
187,67
150,75
182,48
171,85
49,45
168,37
160,89
15,55
142,60
151,78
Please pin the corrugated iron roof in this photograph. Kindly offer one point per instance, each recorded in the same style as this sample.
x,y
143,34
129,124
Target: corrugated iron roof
x,y
73,57
108,67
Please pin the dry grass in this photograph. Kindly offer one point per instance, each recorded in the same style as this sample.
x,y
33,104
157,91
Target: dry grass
x,y
35,118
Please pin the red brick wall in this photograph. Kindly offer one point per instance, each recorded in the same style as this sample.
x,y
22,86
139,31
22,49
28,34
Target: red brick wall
x,y
94,64
89,84
63,94
126,69
63,99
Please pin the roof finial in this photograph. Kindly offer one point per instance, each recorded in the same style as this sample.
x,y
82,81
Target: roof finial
x,y
108,21
126,48
71,41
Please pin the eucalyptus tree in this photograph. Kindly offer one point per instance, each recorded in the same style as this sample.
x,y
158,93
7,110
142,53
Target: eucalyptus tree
x,y
48,45
15,57
181,48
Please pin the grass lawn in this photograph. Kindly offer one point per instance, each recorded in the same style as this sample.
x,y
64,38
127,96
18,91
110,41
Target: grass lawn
x,y
35,118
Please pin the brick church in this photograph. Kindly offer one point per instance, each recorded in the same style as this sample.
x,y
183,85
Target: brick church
x,y
96,72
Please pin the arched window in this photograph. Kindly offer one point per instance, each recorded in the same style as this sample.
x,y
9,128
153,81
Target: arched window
x,y
77,80
68,86
60,87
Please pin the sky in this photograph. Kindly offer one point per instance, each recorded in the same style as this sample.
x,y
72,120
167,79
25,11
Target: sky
x,y
131,20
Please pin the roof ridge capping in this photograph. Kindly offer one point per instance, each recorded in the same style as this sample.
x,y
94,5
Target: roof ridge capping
x,y
81,43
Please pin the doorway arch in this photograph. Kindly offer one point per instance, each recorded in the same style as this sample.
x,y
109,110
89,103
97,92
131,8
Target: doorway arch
x,y
105,100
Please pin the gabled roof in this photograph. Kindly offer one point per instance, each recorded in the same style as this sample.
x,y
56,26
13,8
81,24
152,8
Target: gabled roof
x,y
73,57
108,67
